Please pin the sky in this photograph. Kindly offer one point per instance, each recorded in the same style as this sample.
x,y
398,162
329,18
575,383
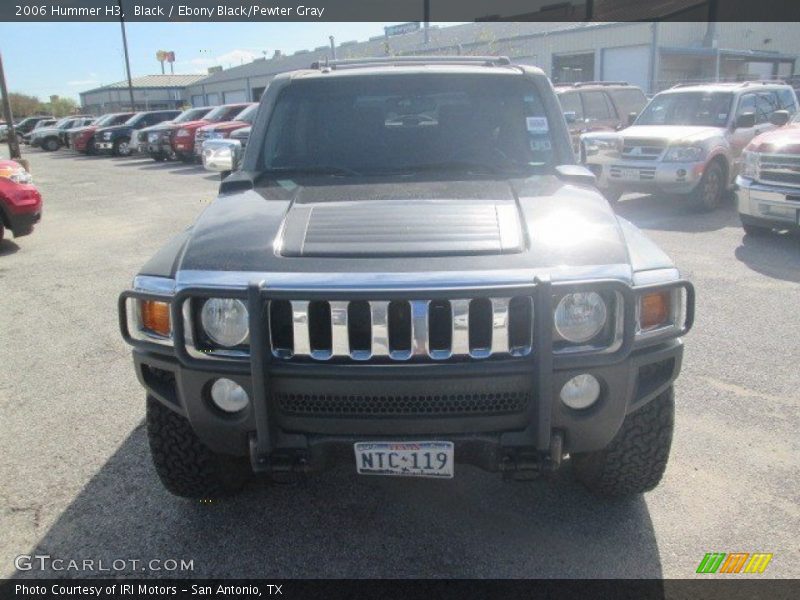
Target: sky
x,y
42,59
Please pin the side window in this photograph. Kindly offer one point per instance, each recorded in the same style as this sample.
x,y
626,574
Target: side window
x,y
766,104
595,106
571,102
786,100
747,103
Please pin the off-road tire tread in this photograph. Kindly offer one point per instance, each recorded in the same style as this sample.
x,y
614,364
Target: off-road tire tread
x,y
186,466
637,457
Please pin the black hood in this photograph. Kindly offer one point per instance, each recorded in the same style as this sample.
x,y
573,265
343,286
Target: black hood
x,y
330,225
114,129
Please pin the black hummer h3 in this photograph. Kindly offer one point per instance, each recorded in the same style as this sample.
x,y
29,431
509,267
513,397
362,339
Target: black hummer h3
x,y
408,271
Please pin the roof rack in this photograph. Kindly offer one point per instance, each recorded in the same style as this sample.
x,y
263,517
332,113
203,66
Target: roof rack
x,y
764,82
355,63
588,83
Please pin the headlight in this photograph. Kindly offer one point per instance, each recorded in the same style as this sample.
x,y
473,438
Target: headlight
x,y
183,133
225,320
684,154
750,164
17,174
593,145
580,316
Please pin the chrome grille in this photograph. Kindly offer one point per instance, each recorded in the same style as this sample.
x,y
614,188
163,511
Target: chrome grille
x,y
424,329
634,149
780,168
644,173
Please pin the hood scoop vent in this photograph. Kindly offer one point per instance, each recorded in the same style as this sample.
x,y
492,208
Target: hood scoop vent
x,y
397,228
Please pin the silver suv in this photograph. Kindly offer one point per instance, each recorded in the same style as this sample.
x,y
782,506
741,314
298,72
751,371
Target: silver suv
x,y
688,140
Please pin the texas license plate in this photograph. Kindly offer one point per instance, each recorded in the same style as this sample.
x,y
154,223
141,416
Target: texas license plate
x,y
629,174
405,459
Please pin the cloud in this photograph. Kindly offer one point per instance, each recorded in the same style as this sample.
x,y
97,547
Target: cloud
x,y
80,82
91,79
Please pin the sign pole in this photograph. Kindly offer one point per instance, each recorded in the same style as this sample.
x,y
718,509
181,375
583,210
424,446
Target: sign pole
x,y
13,142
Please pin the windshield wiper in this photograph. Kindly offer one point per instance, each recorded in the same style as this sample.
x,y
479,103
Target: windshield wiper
x,y
313,170
452,165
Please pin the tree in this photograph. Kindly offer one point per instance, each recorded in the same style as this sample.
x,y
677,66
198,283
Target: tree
x,y
61,107
23,105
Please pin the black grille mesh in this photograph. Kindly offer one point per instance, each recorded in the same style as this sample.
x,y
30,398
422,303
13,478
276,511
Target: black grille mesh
x,y
370,406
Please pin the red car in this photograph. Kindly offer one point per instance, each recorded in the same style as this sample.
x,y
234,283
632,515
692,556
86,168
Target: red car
x,y
183,139
20,201
82,138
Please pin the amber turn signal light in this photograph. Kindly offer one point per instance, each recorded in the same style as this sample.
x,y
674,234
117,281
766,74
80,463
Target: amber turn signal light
x,y
155,317
654,310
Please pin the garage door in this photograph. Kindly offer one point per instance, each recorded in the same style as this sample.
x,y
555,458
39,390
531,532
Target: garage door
x,y
232,97
630,63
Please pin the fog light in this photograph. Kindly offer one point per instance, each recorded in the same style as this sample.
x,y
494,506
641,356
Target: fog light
x,y
229,395
581,391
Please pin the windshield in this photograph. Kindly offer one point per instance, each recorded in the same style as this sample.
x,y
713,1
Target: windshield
x,y
113,119
688,108
248,115
135,118
193,114
404,124
224,113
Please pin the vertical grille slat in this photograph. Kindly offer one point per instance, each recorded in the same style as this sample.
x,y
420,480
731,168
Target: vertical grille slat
x,y
302,338
379,312
340,335
500,325
419,327
400,330
460,310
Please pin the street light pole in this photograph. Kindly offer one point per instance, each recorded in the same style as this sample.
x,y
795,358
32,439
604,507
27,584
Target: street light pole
x,y
13,142
127,60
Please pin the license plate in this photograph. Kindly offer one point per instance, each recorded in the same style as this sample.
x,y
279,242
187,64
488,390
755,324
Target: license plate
x,y
629,174
405,459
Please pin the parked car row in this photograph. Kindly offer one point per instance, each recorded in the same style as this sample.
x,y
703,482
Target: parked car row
x,y
703,142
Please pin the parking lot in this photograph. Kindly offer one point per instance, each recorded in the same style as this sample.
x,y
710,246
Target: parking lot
x,y
77,481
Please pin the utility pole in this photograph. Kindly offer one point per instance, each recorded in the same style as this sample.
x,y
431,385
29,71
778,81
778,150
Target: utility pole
x,y
13,142
127,61
427,16
333,47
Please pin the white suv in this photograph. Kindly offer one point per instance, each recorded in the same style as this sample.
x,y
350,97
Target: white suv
x,y
688,140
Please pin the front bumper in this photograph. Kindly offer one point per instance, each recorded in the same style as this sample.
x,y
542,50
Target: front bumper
x,y
105,146
768,204
647,176
502,414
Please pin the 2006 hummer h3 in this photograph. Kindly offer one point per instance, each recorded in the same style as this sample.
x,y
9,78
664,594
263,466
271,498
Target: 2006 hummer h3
x,y
407,270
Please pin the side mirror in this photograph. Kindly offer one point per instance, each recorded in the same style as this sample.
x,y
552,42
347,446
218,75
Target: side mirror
x,y
571,116
576,174
632,117
222,155
779,118
746,120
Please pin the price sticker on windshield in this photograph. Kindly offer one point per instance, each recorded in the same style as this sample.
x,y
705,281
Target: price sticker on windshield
x,y
537,124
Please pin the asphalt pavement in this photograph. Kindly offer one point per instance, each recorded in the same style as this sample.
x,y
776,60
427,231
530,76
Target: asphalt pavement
x,y
78,484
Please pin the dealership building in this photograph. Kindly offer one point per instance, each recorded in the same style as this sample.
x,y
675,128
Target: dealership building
x,y
651,55
151,92
654,56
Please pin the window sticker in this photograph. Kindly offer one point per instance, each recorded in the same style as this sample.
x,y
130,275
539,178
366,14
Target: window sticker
x,y
540,145
537,124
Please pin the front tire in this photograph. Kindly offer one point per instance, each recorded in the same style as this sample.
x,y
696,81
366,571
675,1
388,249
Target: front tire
x,y
635,460
708,194
755,230
51,145
122,147
186,466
